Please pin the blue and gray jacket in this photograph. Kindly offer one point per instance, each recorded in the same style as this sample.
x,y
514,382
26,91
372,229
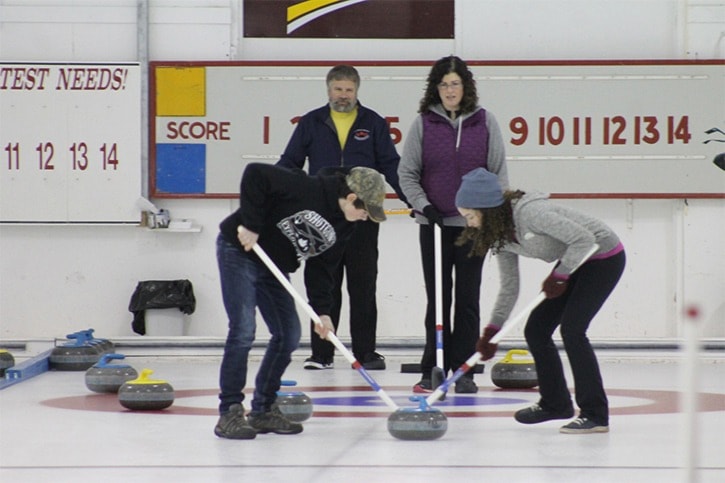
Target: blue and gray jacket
x,y
368,144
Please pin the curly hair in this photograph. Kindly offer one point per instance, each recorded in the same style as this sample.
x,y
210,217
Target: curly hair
x,y
496,230
442,67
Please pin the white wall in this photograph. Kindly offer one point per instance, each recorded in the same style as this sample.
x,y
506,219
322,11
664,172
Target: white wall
x,y
59,279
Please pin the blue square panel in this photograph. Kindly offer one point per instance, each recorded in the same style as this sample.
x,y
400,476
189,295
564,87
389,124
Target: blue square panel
x,y
181,168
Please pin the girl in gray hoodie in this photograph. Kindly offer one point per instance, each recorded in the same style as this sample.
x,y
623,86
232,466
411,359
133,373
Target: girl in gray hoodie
x,y
514,223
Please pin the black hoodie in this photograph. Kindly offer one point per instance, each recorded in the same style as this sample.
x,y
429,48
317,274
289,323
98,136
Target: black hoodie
x,y
297,217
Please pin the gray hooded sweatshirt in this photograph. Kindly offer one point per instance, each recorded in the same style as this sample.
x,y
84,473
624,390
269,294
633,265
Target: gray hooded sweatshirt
x,y
549,232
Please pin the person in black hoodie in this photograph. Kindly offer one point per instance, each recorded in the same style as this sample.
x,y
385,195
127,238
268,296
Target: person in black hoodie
x,y
293,217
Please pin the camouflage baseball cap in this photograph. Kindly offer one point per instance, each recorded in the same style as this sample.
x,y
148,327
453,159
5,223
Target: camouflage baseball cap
x,y
369,186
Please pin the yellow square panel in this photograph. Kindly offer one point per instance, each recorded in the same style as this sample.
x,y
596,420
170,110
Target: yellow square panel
x,y
180,91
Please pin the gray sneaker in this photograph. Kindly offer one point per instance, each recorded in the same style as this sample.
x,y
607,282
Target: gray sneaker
x,y
583,426
233,424
273,422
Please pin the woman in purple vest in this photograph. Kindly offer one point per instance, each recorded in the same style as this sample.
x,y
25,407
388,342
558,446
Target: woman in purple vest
x,y
451,136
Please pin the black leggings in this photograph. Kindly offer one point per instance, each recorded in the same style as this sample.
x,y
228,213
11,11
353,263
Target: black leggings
x,y
589,287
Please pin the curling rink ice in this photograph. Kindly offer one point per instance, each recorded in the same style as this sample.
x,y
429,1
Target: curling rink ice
x,y
53,428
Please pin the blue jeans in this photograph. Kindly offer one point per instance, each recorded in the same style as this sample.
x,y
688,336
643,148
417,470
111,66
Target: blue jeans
x,y
247,285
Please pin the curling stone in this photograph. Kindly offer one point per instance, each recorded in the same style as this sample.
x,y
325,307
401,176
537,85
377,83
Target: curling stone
x,y
105,377
77,356
144,394
513,373
6,361
295,405
420,423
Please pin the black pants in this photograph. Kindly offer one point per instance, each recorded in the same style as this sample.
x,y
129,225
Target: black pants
x,y
589,287
359,266
459,338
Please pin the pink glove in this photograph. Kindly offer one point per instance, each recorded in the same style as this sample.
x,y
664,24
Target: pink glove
x,y
483,345
555,285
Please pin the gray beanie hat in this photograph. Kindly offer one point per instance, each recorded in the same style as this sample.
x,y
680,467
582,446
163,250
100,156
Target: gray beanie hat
x,y
479,189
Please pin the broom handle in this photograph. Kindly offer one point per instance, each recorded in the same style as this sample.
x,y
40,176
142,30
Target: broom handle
x,y
512,323
438,260
316,319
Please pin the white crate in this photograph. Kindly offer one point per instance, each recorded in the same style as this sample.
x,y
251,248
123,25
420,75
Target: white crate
x,y
166,322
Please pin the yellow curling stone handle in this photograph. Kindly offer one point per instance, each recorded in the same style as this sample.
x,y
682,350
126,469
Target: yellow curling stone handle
x,y
143,378
509,357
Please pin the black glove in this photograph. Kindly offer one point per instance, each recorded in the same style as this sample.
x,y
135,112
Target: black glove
x,y
484,345
434,216
555,285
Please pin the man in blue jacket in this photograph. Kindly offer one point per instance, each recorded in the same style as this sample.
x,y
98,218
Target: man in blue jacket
x,y
344,133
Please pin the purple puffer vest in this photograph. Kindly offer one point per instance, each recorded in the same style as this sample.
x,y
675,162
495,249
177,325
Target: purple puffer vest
x,y
443,164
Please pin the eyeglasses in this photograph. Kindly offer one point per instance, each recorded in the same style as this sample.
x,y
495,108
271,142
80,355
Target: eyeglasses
x,y
455,85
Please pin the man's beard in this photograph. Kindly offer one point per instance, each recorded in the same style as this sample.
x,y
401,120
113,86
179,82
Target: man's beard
x,y
342,107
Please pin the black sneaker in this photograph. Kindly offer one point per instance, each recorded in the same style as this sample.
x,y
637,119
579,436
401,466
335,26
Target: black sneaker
x,y
273,422
233,424
316,363
536,414
373,362
423,386
583,426
465,385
